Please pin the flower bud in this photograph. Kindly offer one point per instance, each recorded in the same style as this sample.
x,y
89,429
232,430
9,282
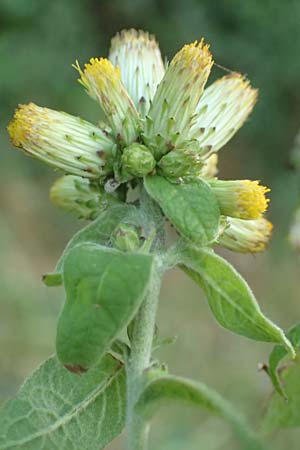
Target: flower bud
x,y
246,236
126,238
172,111
221,111
80,196
137,161
62,140
243,199
179,163
137,55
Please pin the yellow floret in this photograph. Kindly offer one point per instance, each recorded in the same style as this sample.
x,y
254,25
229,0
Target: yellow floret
x,y
243,199
97,71
20,127
252,199
194,56
102,80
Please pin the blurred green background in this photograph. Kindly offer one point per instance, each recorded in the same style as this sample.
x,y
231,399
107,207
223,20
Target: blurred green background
x,y
39,40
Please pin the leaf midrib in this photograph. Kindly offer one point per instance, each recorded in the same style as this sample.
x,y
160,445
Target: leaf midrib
x,y
218,289
67,417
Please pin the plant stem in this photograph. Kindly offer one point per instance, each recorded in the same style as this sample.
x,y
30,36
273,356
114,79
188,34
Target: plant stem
x,y
143,328
138,362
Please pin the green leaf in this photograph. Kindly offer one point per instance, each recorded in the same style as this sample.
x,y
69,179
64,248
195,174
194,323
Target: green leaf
x,y
168,388
230,298
278,353
105,288
190,206
57,410
282,413
99,231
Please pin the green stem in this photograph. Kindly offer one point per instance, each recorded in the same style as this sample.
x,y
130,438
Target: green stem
x,y
138,361
142,336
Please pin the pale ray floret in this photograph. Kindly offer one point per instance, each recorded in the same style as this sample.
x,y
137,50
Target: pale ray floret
x,y
103,82
171,113
222,110
138,57
246,236
62,140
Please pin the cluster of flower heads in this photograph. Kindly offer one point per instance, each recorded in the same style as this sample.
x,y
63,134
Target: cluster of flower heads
x,y
160,120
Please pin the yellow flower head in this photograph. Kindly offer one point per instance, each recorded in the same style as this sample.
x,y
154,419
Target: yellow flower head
x,y
243,199
246,236
20,127
97,73
103,82
61,140
173,109
194,57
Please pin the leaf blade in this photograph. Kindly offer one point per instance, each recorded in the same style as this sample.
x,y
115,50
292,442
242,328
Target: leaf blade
x,y
167,388
283,413
104,289
58,412
230,298
278,354
98,231
191,207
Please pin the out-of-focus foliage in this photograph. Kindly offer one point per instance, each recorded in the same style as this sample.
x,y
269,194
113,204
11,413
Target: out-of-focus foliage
x,y
39,40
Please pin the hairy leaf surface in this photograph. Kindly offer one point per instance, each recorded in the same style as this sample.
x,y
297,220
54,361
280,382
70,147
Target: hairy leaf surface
x,y
57,410
230,298
104,289
190,206
168,389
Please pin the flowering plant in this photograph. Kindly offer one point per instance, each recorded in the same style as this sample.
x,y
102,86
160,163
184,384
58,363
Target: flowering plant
x,y
154,160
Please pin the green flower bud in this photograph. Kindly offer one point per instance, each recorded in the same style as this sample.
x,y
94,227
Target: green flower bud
x,y
137,160
80,196
126,238
179,163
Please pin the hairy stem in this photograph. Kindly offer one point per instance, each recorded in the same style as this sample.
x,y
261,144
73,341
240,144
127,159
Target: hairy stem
x,y
138,362
142,339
